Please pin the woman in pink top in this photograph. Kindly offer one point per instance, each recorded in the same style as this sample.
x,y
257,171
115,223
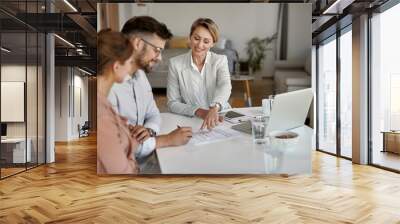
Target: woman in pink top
x,y
115,147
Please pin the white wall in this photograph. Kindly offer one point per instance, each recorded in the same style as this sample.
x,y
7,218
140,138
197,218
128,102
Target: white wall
x,y
62,81
239,22
80,103
13,100
68,83
299,32
12,73
82,82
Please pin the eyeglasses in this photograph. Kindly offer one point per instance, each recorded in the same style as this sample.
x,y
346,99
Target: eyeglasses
x,y
157,50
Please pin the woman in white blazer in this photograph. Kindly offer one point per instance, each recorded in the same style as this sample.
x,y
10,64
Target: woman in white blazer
x,y
199,82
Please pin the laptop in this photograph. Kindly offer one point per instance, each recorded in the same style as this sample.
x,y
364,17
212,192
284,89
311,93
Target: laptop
x,y
289,111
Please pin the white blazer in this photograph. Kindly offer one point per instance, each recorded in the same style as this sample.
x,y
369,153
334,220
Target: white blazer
x,y
181,98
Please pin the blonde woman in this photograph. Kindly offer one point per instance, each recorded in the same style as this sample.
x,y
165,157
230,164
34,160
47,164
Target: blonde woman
x,y
199,81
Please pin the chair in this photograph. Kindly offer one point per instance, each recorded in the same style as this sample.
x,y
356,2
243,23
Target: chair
x,y
84,130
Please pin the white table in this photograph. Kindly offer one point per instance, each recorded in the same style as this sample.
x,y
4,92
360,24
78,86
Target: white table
x,y
232,156
17,146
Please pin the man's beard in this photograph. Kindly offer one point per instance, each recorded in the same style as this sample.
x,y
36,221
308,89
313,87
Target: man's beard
x,y
145,66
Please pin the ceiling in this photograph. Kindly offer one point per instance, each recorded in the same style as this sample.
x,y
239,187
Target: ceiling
x,y
328,16
76,24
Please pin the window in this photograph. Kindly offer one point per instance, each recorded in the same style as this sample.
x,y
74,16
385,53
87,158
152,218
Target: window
x,y
346,93
385,86
394,101
327,96
22,75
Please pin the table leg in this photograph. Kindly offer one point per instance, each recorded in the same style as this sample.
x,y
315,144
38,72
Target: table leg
x,y
248,93
384,142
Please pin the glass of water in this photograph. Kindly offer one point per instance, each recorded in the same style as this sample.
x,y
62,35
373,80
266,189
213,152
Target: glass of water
x,y
259,129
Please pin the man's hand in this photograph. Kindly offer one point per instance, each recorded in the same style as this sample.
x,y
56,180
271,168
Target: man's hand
x,y
139,132
211,119
180,136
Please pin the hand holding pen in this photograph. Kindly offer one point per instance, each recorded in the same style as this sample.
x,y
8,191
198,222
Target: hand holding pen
x,y
180,136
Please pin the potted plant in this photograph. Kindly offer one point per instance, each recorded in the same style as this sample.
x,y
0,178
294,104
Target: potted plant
x,y
256,48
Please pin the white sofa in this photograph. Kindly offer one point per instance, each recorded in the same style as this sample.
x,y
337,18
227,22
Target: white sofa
x,y
158,77
290,75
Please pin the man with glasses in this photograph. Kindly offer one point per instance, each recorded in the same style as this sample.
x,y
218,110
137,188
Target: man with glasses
x,y
134,99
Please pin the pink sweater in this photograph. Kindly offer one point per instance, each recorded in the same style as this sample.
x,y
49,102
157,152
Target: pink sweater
x,y
114,143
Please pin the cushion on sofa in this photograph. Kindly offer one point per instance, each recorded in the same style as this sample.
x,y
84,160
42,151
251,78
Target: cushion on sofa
x,y
178,42
297,77
299,81
282,75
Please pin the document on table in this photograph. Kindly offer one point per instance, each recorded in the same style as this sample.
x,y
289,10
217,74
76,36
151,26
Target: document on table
x,y
216,134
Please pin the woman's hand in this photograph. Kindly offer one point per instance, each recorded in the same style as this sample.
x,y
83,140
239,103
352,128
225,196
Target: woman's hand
x,y
201,113
211,119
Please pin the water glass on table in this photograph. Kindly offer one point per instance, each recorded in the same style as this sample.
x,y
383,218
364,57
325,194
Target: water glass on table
x,y
259,129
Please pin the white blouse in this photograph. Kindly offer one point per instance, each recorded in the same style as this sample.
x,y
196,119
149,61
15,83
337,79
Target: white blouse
x,y
199,82
188,89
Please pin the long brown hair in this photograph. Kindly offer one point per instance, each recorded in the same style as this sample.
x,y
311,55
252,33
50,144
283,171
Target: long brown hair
x,y
112,46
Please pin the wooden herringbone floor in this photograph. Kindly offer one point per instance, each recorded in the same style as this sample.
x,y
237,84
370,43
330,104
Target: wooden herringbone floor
x,y
69,191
